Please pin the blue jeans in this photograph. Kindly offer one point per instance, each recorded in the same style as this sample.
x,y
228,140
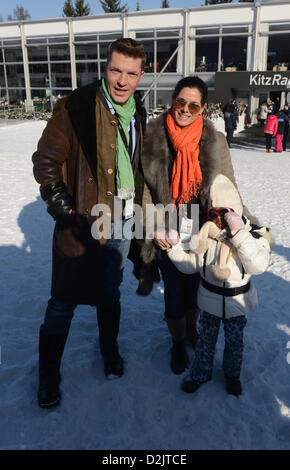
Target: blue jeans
x,y
59,315
180,290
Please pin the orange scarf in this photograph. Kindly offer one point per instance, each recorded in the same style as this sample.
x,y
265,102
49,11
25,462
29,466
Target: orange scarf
x,y
186,178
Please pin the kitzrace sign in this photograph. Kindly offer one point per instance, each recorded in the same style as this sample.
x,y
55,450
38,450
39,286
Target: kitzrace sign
x,y
264,79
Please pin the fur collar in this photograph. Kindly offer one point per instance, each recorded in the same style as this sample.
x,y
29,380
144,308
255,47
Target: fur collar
x,y
81,106
156,157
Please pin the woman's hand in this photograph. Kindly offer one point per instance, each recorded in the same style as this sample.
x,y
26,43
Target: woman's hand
x,y
160,240
172,237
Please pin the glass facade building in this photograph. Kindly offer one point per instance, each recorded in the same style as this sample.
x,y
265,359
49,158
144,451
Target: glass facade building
x,y
42,60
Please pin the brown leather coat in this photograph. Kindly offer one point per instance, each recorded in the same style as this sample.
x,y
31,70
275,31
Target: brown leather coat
x,y
78,147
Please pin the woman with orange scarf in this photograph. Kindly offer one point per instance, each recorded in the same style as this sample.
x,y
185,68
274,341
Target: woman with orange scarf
x,y
182,154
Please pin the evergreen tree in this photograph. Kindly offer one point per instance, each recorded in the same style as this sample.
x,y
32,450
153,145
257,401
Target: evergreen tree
x,y
81,8
113,6
19,14
138,6
165,4
215,2
68,9
78,9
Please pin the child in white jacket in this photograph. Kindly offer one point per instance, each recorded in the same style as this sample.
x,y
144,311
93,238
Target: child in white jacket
x,y
228,252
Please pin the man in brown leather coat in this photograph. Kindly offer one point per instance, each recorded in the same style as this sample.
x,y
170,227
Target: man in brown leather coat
x,y
78,164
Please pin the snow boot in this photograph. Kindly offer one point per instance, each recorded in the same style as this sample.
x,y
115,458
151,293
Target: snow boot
x,y
189,385
191,315
108,321
50,352
179,358
233,385
113,363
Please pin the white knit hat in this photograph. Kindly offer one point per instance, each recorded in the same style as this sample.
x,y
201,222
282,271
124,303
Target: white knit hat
x,y
223,193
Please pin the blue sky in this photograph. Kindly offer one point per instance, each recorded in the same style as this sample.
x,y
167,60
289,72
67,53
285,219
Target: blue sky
x,y
53,8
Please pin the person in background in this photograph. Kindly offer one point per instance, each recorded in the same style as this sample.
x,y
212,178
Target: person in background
x,y
280,133
270,105
263,113
230,118
285,113
228,252
247,116
270,130
276,105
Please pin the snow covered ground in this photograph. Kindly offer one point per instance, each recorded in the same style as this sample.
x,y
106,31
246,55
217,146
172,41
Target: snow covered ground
x,y
145,409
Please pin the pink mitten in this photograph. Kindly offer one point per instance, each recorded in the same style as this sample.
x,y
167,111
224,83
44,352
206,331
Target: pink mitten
x,y
234,221
172,237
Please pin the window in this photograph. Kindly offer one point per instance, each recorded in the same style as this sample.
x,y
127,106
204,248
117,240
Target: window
x,y
2,78
61,75
39,75
86,52
15,75
234,53
37,54
278,57
13,54
60,52
86,73
207,54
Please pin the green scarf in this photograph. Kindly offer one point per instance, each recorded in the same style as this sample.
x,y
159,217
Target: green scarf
x,y
124,172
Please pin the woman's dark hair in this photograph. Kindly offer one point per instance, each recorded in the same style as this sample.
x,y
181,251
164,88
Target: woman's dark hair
x,y
192,82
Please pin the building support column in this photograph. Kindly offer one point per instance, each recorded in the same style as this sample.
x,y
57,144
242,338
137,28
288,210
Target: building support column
x,y
28,102
186,21
72,55
256,36
125,26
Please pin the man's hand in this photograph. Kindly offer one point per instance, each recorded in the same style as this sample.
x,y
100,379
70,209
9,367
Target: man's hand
x,y
60,204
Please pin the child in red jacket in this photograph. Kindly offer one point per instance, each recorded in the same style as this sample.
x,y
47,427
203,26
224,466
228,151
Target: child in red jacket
x,y
270,130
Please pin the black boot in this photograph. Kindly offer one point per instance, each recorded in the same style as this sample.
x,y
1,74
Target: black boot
x,y
108,322
189,385
113,363
233,385
179,357
50,352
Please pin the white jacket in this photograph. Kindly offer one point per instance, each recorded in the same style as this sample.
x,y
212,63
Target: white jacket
x,y
249,255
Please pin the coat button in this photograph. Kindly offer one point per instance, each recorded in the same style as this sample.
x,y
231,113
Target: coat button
x,y
110,171
113,123
90,180
109,193
113,146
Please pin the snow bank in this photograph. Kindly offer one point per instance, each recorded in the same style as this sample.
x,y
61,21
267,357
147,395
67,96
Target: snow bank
x,y
145,409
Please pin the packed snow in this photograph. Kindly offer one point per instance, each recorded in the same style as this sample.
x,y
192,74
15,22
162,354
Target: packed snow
x,y
145,409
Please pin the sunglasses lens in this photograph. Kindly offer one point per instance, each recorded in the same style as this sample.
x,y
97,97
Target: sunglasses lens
x,y
178,104
193,108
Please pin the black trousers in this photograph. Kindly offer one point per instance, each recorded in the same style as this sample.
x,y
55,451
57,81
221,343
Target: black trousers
x,y
229,137
284,141
268,140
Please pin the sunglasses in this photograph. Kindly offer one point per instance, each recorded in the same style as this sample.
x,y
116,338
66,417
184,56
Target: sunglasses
x,y
193,108
214,213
